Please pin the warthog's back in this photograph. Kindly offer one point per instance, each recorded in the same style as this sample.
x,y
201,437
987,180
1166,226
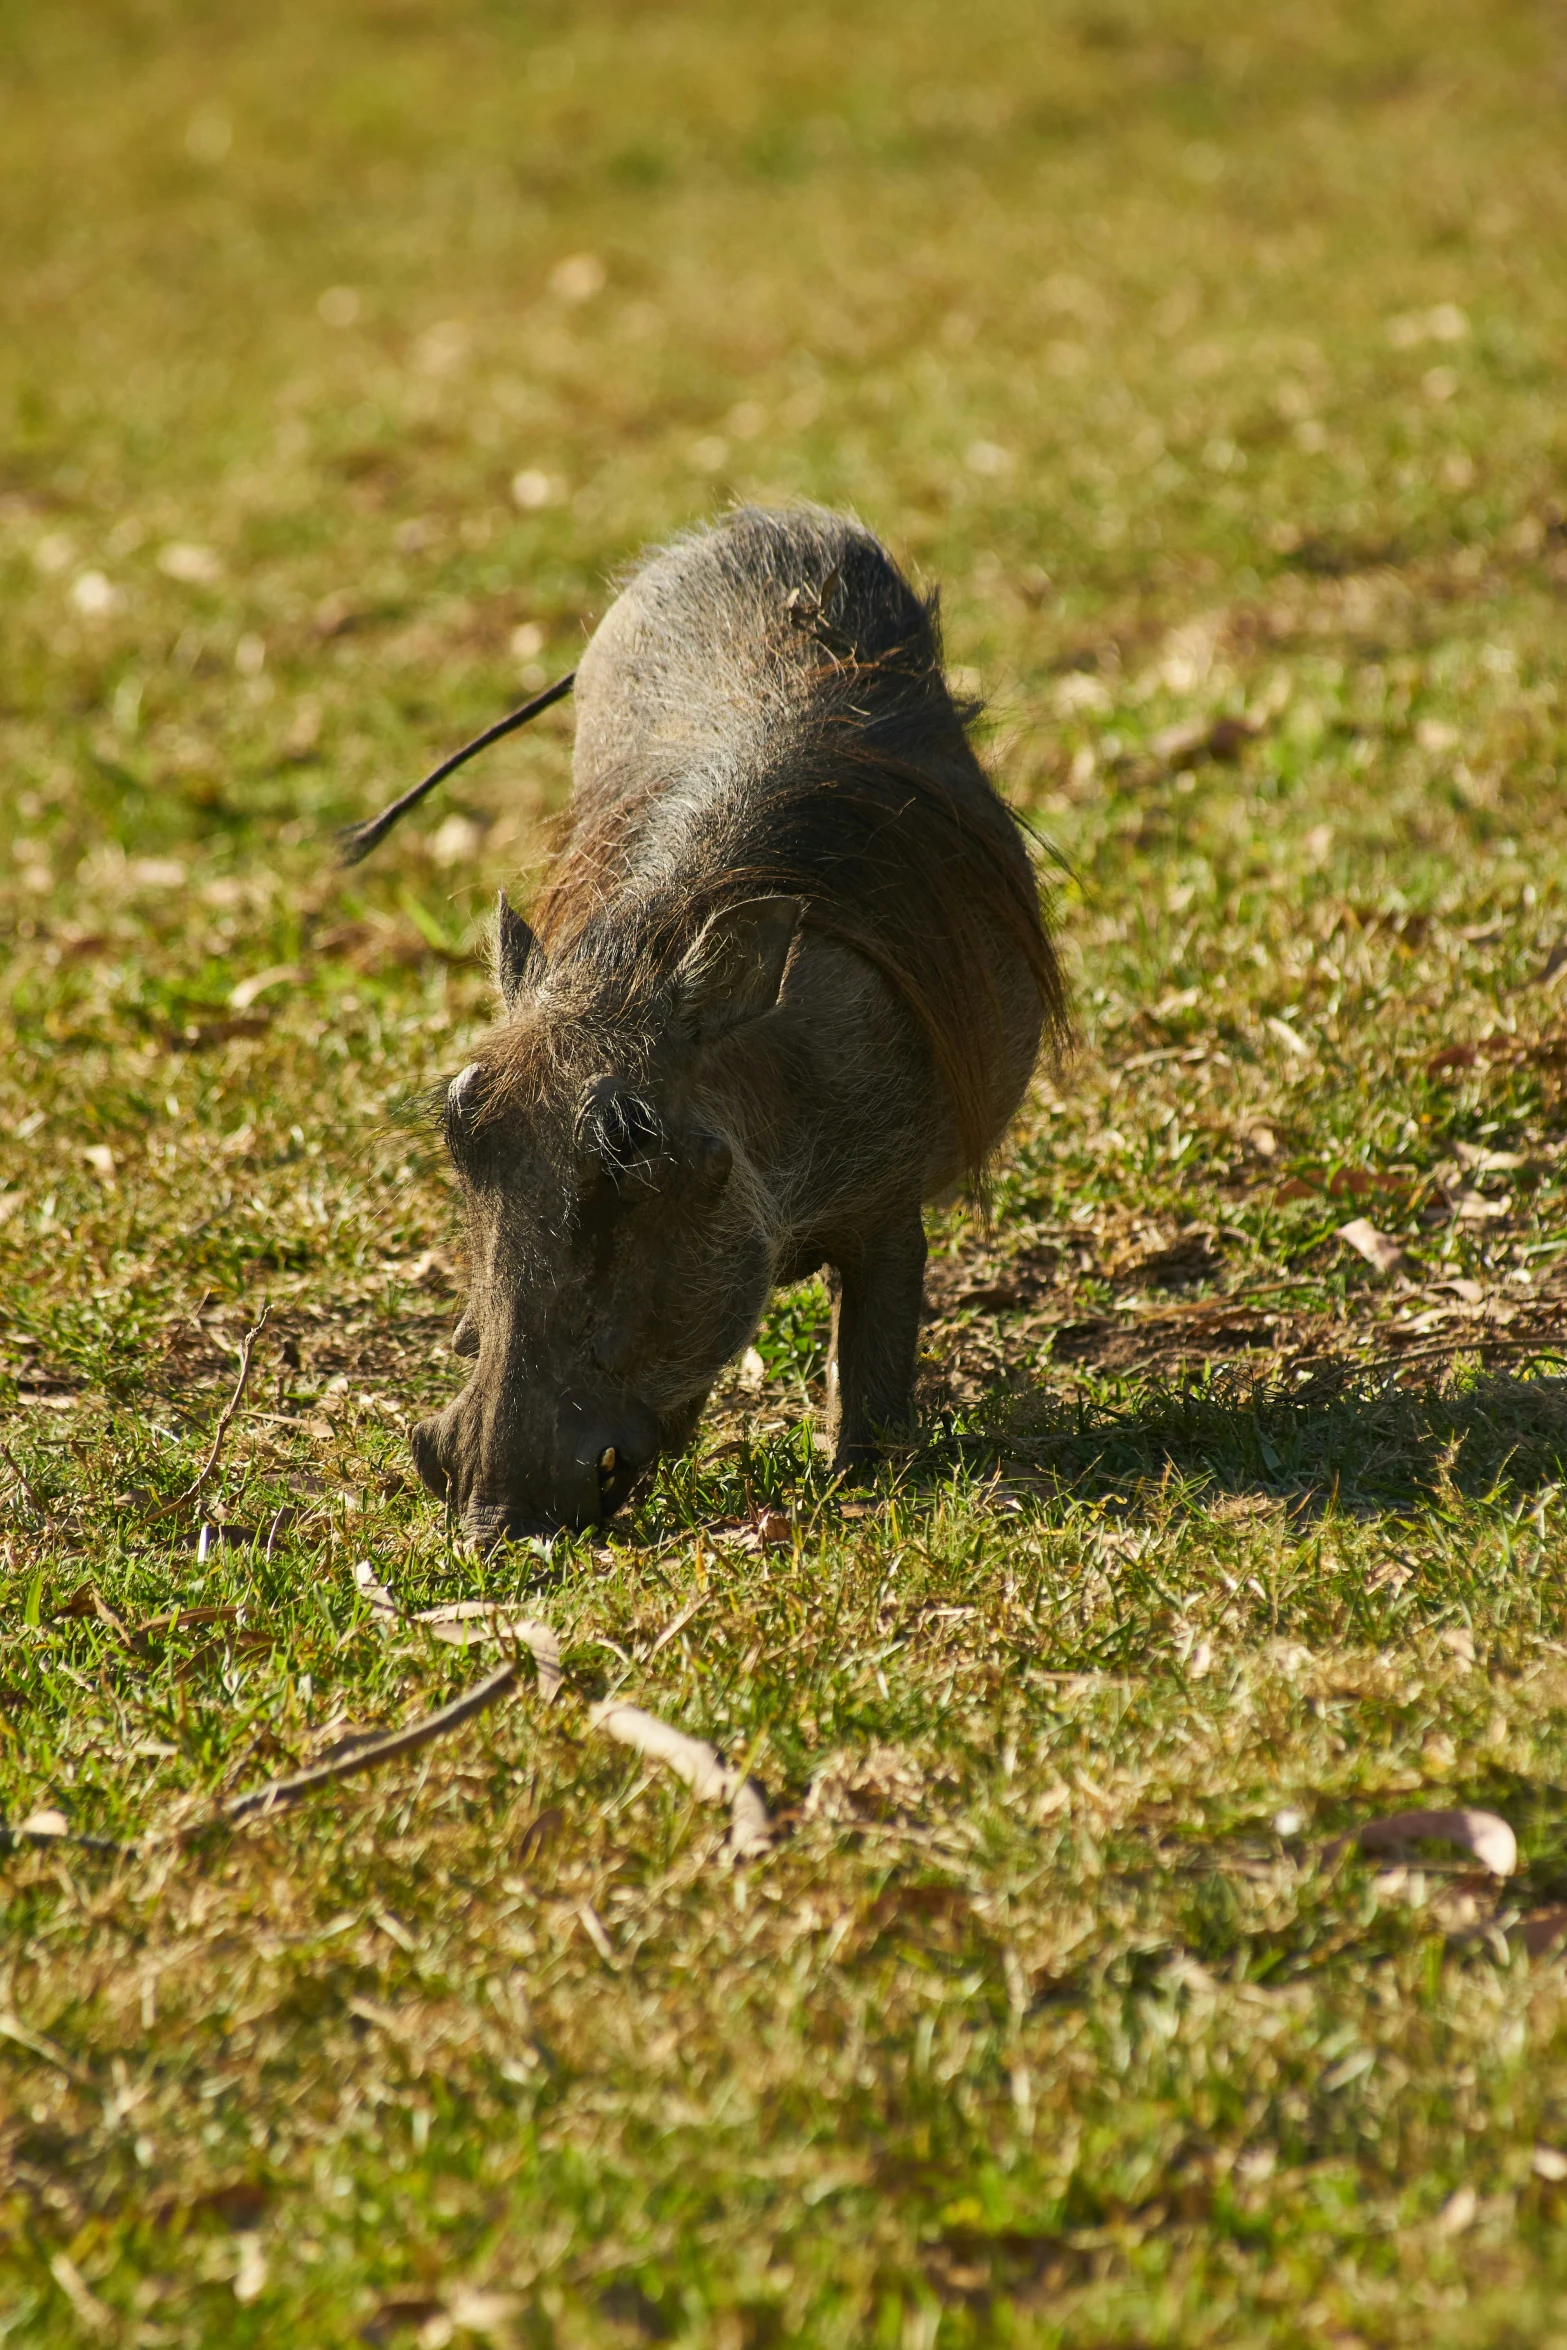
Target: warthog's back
x,y
763,708
724,648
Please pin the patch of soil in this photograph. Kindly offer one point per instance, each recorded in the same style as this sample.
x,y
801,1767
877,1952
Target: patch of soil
x,y
1165,1341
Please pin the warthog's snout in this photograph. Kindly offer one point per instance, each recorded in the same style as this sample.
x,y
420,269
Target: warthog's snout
x,y
565,1461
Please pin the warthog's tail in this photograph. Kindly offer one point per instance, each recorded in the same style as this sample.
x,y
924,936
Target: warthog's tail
x,y
357,840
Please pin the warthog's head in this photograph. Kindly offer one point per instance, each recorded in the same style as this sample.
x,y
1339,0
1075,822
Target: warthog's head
x,y
620,1243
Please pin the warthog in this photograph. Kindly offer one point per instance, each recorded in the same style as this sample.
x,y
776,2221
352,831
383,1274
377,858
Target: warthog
x,y
786,981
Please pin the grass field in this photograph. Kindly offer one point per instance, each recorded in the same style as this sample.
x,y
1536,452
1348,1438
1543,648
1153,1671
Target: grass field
x,y
1211,358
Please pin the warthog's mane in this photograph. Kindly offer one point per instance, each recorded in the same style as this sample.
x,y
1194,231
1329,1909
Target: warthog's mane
x,y
822,764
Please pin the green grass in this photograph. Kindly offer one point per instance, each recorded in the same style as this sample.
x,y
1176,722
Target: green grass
x,y
1210,358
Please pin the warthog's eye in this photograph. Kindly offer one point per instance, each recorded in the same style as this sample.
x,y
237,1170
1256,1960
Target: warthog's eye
x,y
619,1128
709,1157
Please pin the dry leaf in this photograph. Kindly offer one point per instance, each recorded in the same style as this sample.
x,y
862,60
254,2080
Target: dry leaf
x,y
238,2203
1482,1834
702,1767
750,1822
464,1622
538,1833
593,1926
1481,1161
1360,1182
1541,1930
480,2311
434,2321
1290,1038
467,1621
241,1644
192,564
242,996
185,1619
250,2278
94,2314
1381,1253
992,1297
1289,1657
1475,1208
1216,738
770,1529
196,1036
376,1595
753,1372
1458,2211
400,2312
47,1823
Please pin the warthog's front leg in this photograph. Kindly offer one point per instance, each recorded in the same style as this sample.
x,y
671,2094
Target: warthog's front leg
x,y
877,1288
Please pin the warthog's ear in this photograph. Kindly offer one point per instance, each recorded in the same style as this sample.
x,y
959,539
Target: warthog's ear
x,y
734,971
519,958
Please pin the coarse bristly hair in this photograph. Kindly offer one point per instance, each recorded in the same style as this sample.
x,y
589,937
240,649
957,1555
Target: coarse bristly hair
x,y
811,749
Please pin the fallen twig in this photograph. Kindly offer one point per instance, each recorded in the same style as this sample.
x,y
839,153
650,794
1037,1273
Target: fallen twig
x,y
703,1769
279,1792
225,1419
1451,1347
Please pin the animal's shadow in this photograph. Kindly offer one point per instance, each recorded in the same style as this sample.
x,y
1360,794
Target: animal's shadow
x,y
1221,1442
1361,1443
